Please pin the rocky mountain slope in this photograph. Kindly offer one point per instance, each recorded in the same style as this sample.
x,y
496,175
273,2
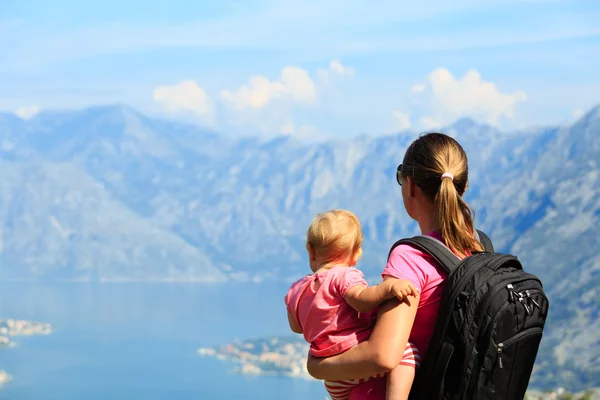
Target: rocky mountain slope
x,y
106,193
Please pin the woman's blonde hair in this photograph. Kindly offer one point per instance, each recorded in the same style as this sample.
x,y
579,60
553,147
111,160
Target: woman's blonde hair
x,y
334,235
425,161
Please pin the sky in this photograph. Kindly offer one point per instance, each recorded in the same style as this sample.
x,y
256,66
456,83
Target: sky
x,y
311,69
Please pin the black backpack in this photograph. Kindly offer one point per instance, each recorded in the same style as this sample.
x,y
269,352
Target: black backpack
x,y
488,329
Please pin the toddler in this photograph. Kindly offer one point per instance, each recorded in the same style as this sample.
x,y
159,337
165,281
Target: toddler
x,y
334,308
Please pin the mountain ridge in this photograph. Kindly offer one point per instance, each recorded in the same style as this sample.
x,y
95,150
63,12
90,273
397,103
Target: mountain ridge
x,y
110,194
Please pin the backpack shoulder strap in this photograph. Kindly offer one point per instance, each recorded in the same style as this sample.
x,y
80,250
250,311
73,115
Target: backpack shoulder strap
x,y
436,249
484,240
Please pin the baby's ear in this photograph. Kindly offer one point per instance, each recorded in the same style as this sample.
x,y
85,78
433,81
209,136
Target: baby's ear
x,y
357,255
311,252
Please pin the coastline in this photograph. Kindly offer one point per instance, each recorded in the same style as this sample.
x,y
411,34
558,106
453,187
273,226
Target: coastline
x,y
10,328
4,378
283,356
286,356
15,327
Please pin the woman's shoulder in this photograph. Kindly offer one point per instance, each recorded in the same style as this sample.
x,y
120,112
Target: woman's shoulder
x,y
406,260
410,254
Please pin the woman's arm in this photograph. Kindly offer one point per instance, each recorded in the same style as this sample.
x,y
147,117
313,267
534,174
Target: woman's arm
x,y
381,353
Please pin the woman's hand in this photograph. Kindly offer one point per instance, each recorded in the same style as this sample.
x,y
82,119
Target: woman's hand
x,y
381,353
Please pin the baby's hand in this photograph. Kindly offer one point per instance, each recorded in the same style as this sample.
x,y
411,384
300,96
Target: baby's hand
x,y
402,289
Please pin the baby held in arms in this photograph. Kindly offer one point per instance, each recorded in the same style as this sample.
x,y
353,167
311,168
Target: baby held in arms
x,y
335,309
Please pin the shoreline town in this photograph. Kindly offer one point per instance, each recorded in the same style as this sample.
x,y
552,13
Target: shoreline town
x,y
10,328
286,356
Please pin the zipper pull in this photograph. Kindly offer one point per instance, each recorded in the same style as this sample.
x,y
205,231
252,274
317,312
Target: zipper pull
x,y
524,302
500,347
511,292
531,299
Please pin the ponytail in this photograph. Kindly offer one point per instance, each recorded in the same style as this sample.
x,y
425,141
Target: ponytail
x,y
455,219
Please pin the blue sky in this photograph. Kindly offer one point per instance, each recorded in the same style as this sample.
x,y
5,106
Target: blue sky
x,y
306,68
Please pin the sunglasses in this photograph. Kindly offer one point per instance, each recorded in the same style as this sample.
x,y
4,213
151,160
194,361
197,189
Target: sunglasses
x,y
399,174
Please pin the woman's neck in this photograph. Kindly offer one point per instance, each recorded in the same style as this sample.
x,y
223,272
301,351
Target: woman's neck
x,y
424,213
428,224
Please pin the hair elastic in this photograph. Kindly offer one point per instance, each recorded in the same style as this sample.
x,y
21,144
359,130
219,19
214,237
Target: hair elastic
x,y
447,175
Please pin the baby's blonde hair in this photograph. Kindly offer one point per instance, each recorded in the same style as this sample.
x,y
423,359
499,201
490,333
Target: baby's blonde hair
x,y
334,235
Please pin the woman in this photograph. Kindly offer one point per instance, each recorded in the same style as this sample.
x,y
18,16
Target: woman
x,y
434,177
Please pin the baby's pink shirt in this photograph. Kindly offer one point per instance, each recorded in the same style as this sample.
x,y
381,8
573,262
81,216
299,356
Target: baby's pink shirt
x,y
328,322
422,271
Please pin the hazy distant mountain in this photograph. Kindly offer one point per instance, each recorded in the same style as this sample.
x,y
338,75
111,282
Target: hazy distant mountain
x,y
107,193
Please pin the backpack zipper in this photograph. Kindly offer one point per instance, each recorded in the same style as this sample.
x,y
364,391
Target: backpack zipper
x,y
510,276
524,303
500,347
527,300
510,287
510,341
531,299
512,293
507,281
490,326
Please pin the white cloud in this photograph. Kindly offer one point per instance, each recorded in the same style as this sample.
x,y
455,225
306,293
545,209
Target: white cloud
x,y
310,133
295,85
335,69
287,128
185,97
578,113
418,88
267,106
303,132
446,99
402,120
429,123
27,112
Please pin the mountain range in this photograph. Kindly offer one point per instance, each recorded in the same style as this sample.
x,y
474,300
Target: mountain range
x,y
108,194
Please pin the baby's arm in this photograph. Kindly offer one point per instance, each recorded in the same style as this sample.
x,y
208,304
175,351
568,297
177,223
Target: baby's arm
x,y
294,326
363,298
399,382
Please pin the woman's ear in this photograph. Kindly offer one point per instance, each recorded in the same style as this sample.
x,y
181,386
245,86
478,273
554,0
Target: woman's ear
x,y
412,188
